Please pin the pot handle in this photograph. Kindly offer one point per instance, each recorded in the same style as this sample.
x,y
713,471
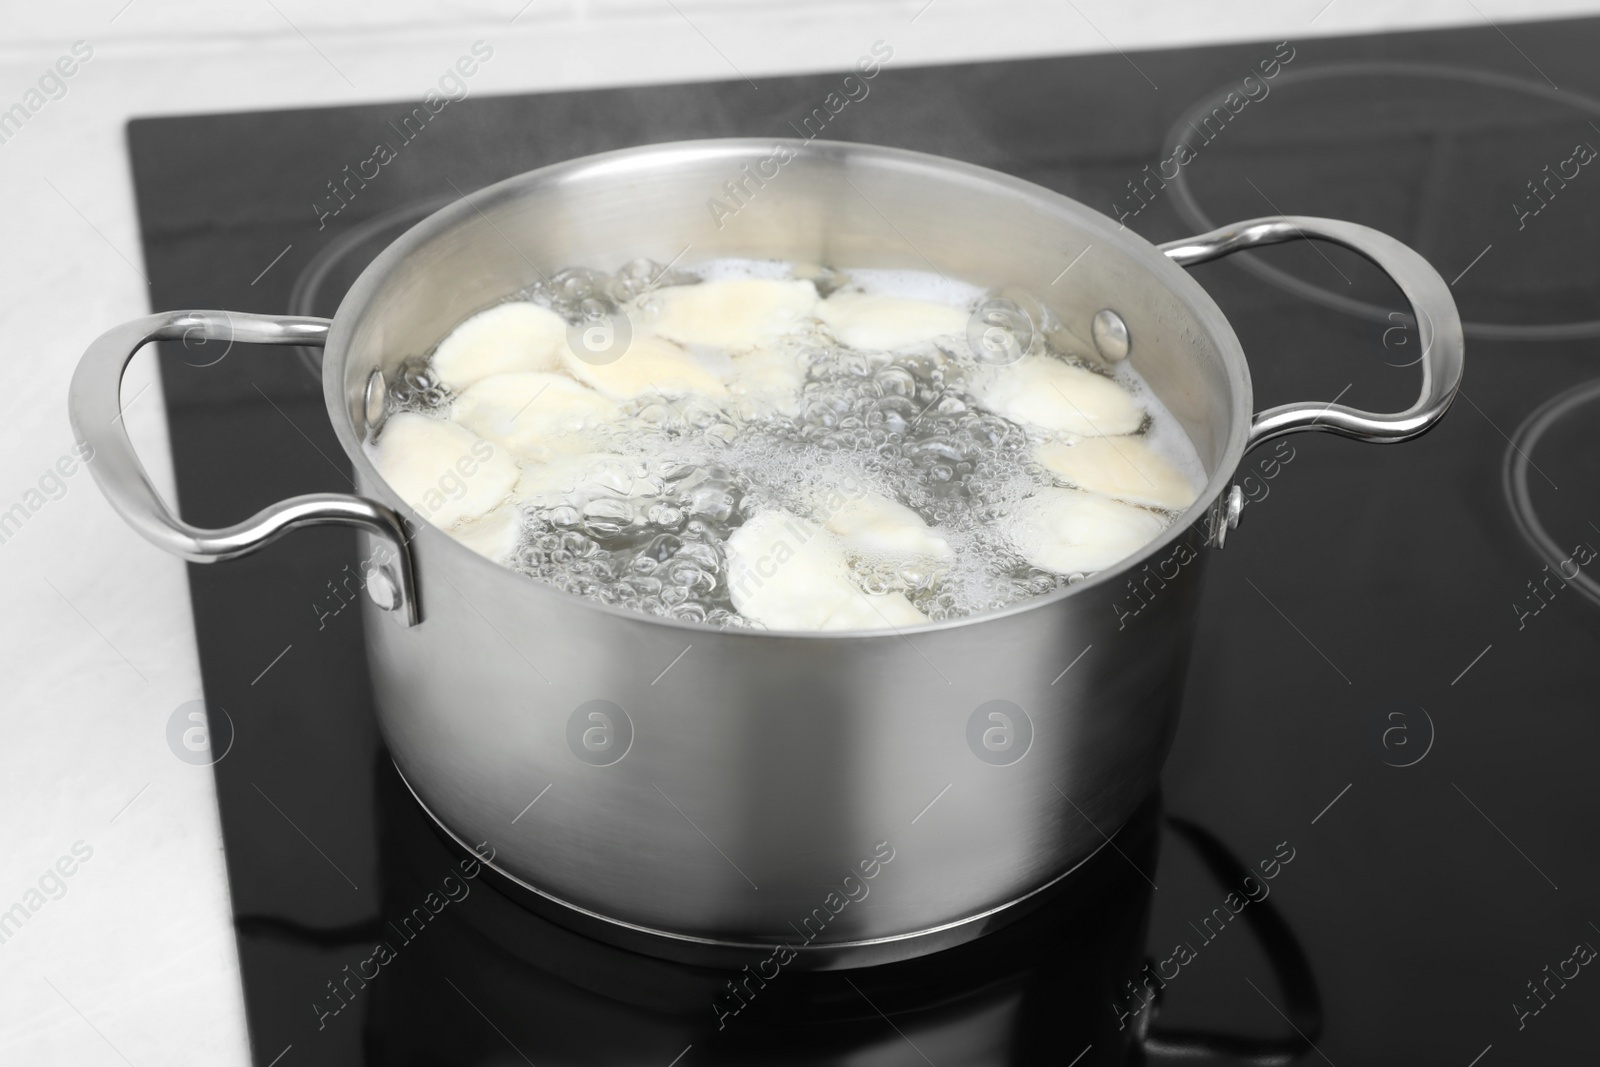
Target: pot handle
x,y
1285,956
95,406
1438,325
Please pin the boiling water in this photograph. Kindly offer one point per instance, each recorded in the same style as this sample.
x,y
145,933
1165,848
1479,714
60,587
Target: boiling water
x,y
651,535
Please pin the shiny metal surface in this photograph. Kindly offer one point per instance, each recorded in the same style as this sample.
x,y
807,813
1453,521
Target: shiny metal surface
x,y
95,408
732,953
1438,325
1226,516
762,766
1110,335
758,769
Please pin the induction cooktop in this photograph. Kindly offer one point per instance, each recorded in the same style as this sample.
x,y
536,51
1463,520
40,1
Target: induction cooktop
x,y
1392,691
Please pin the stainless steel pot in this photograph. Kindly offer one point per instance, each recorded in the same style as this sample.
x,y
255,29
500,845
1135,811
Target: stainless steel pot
x,y
860,796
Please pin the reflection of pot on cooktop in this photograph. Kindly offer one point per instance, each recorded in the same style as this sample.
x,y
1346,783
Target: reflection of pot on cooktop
x,y
1502,193
1070,980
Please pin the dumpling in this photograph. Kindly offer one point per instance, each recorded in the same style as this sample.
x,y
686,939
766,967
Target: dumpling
x,y
874,611
1124,467
785,572
788,573
517,336
444,471
874,525
535,415
1045,392
494,535
868,320
648,366
578,479
1072,532
734,314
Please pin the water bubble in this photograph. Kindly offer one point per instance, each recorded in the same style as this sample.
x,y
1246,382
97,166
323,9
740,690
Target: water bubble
x,y
664,515
999,332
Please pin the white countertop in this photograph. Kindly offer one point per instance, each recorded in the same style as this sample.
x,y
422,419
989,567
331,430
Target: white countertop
x,y
131,958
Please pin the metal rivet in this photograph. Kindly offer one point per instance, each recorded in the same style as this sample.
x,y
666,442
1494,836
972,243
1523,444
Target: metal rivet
x,y
376,390
383,589
1110,335
1224,515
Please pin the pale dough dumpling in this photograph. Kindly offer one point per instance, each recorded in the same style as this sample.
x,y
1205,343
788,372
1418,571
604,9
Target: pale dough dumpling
x,y
535,415
445,471
1072,532
876,526
517,336
868,320
494,535
788,573
871,611
578,479
734,314
648,366
1124,467
1045,392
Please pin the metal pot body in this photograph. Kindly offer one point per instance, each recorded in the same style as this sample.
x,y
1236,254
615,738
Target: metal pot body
x,y
837,792
760,770
754,777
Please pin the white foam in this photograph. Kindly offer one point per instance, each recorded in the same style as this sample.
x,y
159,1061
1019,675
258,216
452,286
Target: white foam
x,y
730,269
1163,432
918,285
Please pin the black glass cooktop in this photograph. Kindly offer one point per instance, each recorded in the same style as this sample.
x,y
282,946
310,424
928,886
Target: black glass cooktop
x,y
1392,698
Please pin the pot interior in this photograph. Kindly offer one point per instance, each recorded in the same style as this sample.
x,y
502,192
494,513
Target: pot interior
x,y
833,204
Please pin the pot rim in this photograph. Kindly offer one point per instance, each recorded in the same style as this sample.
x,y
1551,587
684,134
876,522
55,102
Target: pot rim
x,y
747,149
